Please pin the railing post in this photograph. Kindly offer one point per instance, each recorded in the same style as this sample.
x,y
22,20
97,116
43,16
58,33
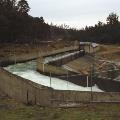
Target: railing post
x,y
50,80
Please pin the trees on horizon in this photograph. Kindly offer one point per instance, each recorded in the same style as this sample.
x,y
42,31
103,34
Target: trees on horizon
x,y
16,25
108,32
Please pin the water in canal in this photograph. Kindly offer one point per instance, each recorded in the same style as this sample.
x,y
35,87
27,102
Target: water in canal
x,y
28,70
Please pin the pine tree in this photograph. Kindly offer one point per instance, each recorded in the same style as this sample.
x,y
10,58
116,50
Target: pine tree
x,y
112,19
23,7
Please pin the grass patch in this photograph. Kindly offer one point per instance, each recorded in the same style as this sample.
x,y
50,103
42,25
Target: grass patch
x,y
12,110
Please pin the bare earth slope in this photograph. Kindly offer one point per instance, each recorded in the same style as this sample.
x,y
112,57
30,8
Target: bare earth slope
x,y
110,52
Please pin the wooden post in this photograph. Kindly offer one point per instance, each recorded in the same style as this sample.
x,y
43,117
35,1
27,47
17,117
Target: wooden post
x,y
50,80
14,59
87,81
91,82
67,79
89,48
43,67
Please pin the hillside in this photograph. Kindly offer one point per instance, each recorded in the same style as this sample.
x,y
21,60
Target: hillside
x,y
109,52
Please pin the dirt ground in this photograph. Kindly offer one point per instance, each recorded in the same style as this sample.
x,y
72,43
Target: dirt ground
x,y
9,49
106,52
109,52
23,52
16,52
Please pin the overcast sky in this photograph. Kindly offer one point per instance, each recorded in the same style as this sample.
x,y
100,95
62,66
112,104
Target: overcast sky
x,y
76,13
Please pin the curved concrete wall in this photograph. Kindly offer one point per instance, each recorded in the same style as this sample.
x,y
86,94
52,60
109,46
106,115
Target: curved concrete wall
x,y
23,90
31,93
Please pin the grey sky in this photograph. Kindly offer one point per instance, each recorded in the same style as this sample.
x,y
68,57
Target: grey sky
x,y
76,13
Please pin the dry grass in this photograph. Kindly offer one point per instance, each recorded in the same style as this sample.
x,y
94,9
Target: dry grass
x,y
12,110
26,51
110,52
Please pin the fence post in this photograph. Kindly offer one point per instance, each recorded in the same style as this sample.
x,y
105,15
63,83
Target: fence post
x,y
43,67
87,81
50,80
67,79
91,82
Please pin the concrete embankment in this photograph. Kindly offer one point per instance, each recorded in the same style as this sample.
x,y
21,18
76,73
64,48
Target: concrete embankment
x,y
17,58
78,76
47,69
29,92
54,65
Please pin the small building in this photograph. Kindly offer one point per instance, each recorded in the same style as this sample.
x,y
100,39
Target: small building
x,y
88,46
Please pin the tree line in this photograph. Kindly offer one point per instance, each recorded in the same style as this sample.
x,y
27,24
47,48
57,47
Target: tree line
x,y
17,26
108,32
